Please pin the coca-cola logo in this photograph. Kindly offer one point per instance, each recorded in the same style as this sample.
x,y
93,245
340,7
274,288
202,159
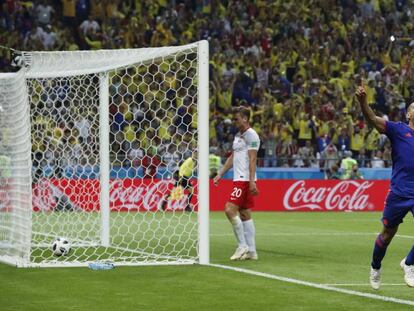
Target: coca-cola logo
x,y
345,195
143,196
125,194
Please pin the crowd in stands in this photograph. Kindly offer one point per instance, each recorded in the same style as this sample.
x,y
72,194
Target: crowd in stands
x,y
295,63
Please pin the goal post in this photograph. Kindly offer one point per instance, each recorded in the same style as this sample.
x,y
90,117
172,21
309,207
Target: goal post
x,y
203,147
104,156
107,131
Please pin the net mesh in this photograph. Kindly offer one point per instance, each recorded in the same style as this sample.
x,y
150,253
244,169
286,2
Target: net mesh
x,y
152,124
15,164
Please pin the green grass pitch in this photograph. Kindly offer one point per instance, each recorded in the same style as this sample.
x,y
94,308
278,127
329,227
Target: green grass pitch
x,y
322,248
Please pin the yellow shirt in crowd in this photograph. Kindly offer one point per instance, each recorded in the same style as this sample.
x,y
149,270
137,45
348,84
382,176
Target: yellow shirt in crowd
x,y
69,9
305,132
372,140
357,141
186,169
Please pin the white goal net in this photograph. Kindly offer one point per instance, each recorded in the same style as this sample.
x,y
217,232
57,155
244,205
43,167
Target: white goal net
x,y
109,131
15,164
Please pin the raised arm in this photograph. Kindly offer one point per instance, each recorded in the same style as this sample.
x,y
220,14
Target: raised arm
x,y
377,122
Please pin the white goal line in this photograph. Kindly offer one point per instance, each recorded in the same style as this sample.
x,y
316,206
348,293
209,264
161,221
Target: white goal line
x,y
316,285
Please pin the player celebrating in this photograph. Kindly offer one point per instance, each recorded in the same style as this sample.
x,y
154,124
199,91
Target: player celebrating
x,y
238,208
400,199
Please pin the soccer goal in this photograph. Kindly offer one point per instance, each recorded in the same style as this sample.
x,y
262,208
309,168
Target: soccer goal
x,y
90,148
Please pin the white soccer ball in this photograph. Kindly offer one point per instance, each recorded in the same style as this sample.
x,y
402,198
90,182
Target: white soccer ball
x,y
61,247
17,61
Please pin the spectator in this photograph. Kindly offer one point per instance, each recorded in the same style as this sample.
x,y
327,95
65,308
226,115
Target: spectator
x,y
362,159
150,163
285,69
371,142
330,159
343,143
49,38
184,119
82,10
322,142
44,13
34,39
269,144
306,125
367,10
305,154
377,161
285,153
242,90
69,13
171,159
347,164
214,162
357,140
83,125
135,154
335,173
354,173
89,26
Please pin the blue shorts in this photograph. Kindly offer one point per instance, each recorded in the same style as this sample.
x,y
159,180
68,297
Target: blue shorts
x,y
396,208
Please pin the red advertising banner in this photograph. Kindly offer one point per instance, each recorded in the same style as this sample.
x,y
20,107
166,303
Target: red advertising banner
x,y
125,195
275,195
309,195
5,204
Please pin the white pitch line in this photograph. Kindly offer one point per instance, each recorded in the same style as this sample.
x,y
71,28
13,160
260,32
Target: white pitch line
x,y
318,234
404,236
359,284
302,234
316,285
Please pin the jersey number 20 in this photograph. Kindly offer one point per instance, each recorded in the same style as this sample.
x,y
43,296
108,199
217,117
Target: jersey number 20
x,y
236,192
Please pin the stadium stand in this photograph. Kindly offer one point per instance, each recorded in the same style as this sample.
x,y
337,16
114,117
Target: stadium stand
x,y
297,68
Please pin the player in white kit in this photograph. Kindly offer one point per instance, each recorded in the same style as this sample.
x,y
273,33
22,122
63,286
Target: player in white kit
x,y
238,208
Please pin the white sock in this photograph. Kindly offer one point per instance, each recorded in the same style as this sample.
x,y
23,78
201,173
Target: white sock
x,y
250,234
238,231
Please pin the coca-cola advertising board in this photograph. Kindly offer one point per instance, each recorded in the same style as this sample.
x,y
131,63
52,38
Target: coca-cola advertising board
x,y
275,195
309,195
124,195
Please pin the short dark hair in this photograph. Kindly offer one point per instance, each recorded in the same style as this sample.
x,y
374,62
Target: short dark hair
x,y
243,111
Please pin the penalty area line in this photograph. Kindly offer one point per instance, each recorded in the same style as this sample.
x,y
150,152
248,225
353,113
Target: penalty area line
x,y
316,285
